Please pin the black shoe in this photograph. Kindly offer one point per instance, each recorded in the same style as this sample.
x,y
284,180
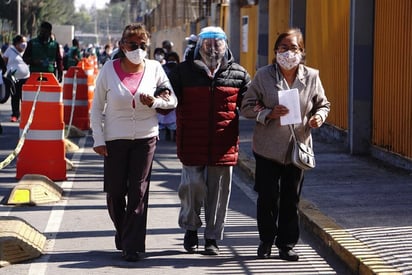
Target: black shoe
x,y
264,250
130,256
190,241
211,247
288,255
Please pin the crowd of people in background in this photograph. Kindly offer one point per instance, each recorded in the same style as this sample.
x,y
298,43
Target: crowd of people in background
x,y
16,58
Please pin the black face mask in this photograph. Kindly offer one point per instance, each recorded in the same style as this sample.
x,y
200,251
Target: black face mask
x,y
44,35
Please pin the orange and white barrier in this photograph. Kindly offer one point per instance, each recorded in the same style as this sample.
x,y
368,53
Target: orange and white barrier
x,y
43,151
78,89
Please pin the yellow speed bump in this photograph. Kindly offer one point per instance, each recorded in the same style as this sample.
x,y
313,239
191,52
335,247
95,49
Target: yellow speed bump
x,y
35,189
19,241
70,146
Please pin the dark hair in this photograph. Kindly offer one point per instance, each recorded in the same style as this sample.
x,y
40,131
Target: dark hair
x,y
159,51
291,32
166,44
173,55
75,42
17,39
46,25
131,30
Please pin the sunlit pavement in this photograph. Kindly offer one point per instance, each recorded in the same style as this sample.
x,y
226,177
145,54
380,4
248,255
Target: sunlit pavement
x,y
80,235
358,208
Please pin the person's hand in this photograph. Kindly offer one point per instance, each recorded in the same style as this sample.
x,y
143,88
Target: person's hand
x,y
258,107
101,150
315,121
147,100
165,95
278,111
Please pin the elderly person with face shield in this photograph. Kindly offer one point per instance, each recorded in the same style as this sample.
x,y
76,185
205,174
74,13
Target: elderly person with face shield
x,y
278,181
125,131
209,88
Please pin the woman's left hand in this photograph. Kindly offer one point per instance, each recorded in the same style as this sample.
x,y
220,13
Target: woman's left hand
x,y
315,121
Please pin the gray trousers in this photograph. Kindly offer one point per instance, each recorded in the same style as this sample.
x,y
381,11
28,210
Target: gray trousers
x,y
207,186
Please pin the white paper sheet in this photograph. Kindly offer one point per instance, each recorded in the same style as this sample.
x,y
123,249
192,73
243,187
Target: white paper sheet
x,y
290,99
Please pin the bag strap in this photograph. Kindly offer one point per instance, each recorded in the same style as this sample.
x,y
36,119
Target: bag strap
x,y
292,130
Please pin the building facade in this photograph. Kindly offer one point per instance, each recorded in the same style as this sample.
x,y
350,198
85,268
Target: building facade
x,y
361,48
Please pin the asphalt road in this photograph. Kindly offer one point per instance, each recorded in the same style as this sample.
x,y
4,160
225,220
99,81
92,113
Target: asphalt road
x,y
80,234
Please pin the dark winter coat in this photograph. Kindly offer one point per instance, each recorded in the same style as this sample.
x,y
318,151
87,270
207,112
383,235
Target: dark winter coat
x,y
207,113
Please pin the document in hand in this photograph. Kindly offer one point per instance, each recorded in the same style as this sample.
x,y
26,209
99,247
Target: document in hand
x,y
290,99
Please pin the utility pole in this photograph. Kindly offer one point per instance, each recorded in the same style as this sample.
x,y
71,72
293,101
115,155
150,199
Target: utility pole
x,y
18,16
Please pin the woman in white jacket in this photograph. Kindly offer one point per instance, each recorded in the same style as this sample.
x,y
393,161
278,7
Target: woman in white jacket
x,y
277,181
125,132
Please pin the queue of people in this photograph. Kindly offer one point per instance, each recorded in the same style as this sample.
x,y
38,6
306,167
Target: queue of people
x,y
22,57
40,54
18,60
204,95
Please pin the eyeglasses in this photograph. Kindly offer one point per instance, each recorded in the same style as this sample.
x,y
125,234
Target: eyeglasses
x,y
285,48
134,46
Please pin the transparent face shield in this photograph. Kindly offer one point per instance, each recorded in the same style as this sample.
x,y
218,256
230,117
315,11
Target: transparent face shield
x,y
212,51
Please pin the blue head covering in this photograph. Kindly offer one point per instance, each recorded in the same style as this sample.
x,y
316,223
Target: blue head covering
x,y
212,32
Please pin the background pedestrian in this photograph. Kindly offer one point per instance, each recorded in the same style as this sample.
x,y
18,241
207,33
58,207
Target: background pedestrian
x,y
43,53
19,71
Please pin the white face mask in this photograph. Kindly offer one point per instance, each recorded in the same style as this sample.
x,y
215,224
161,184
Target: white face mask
x,y
288,60
136,56
159,57
23,45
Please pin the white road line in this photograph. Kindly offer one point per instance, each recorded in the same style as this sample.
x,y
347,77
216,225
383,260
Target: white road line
x,y
55,219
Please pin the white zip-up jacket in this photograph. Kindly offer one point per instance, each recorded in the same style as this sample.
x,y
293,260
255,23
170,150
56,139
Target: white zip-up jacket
x,y
112,114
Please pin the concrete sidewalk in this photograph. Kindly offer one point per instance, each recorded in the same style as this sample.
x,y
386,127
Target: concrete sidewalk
x,y
360,208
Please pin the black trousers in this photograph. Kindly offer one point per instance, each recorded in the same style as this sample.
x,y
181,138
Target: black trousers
x,y
127,171
278,187
16,98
